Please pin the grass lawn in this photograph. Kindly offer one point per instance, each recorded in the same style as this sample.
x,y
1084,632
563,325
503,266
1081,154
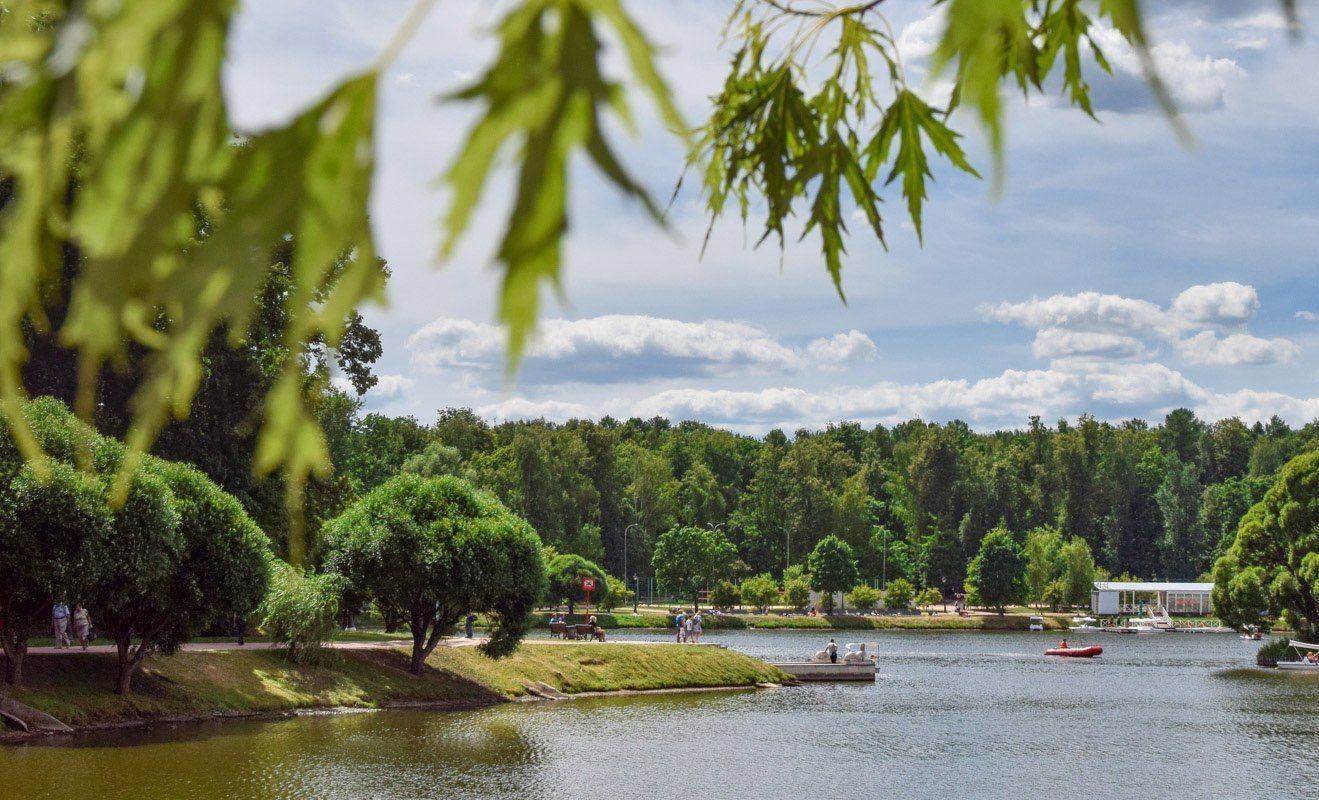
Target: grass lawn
x,y
76,687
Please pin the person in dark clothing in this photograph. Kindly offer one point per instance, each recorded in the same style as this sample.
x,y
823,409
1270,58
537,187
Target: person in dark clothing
x,y
832,649
240,627
471,620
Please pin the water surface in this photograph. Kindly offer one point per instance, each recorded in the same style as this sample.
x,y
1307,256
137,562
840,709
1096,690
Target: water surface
x,y
965,715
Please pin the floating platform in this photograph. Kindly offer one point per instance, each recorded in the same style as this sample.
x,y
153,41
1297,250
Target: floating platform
x,y
814,671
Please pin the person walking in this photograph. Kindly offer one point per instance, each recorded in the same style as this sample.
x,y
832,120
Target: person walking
x,y
677,624
471,621
59,623
240,626
832,650
697,626
82,625
688,626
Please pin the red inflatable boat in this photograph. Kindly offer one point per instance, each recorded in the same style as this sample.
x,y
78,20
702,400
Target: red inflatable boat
x,y
1076,652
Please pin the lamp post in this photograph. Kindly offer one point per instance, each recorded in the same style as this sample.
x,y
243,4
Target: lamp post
x,y
884,560
625,530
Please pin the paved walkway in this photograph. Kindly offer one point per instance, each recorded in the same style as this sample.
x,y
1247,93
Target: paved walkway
x,y
201,647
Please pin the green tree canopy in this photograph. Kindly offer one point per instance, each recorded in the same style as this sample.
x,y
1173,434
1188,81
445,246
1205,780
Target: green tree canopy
x,y
759,591
1043,561
833,568
438,548
996,575
899,594
565,572
688,560
1273,566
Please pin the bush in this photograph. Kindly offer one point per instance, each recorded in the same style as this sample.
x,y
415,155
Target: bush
x,y
1272,652
929,596
565,573
759,591
862,598
797,593
301,611
724,595
899,594
619,594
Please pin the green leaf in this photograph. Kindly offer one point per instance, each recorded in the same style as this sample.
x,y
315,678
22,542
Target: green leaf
x,y
543,96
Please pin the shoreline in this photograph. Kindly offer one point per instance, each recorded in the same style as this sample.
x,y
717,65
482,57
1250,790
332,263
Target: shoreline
x,y
195,687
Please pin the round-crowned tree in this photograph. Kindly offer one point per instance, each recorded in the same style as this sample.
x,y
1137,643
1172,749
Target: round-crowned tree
x,y
440,548
833,568
759,591
565,572
687,560
1272,568
997,575
51,532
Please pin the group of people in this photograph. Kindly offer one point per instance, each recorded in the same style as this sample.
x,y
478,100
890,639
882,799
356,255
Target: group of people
x,y
597,632
689,627
61,619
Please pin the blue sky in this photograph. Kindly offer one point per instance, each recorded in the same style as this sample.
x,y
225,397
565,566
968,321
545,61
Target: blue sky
x,y
1119,272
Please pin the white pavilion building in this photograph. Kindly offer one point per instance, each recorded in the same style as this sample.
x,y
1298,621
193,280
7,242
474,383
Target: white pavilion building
x,y
1112,598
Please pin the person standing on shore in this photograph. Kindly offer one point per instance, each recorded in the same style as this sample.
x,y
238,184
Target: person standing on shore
x,y
82,625
832,650
471,622
688,626
697,627
677,623
59,623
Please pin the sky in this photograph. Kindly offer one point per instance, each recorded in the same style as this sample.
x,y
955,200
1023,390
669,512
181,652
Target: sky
x,y
1120,271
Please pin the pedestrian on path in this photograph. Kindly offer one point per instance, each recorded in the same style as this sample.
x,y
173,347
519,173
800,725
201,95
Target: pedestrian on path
x,y
677,623
688,627
59,623
240,627
82,625
697,626
471,621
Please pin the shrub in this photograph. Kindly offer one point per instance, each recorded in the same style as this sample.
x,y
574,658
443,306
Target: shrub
x,y
899,594
797,593
1273,651
759,591
619,594
863,598
301,611
724,595
929,596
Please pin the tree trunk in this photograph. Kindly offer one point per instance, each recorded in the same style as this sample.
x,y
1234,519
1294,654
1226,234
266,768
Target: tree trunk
x,y
15,647
128,661
570,606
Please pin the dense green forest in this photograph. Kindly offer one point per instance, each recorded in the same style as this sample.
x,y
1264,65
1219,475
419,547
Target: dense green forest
x,y
914,500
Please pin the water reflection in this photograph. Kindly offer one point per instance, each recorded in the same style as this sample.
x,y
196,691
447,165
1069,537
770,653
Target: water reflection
x,y
965,715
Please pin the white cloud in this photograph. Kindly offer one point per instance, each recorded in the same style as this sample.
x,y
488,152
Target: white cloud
x,y
1227,303
1056,343
522,408
1088,311
1196,82
842,349
1075,330
1236,350
1308,316
619,346
387,387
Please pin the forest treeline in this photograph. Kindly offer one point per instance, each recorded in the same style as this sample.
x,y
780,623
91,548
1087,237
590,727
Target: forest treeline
x,y
914,500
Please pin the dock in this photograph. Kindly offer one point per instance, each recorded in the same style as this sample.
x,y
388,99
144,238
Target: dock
x,y
815,671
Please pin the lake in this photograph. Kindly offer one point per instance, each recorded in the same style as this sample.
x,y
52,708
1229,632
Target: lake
x,y
953,715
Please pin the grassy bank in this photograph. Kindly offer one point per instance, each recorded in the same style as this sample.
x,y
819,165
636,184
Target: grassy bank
x,y
75,688
1007,622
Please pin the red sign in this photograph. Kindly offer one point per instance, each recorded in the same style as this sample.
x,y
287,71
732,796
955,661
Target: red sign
x,y
588,584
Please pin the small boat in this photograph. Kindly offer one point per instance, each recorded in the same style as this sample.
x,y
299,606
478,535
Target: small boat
x,y
1076,652
1084,624
1301,665
1252,634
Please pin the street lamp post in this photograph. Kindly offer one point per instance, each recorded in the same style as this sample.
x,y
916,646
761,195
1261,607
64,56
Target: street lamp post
x,y
625,530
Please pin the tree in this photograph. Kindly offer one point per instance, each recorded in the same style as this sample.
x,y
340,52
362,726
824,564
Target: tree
x,y
52,535
440,548
620,593
899,594
436,460
700,501
565,573
688,560
997,574
132,594
759,591
796,592
832,567
1183,549
1043,561
1078,572
863,597
724,595
929,596
1273,566
301,610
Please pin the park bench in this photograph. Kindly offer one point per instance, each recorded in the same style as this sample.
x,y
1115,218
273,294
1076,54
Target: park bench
x,y
558,630
585,631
